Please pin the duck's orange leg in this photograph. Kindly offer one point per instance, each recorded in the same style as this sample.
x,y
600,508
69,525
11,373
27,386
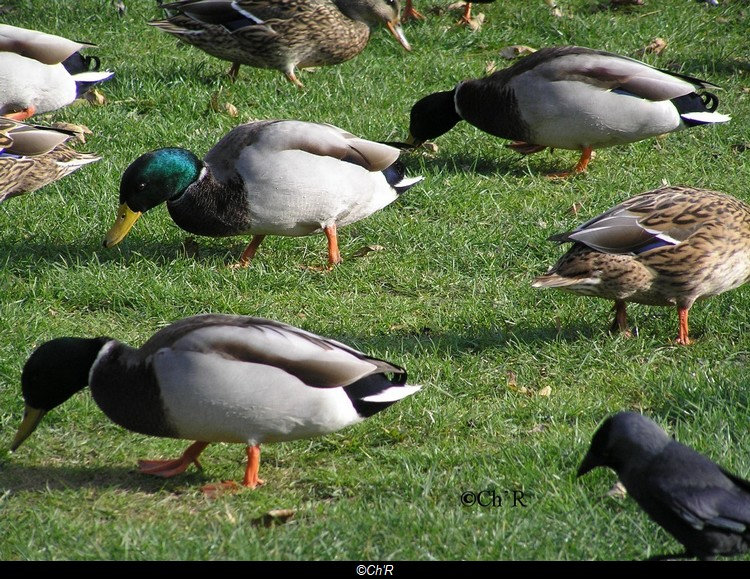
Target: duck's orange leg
x,y
21,115
580,167
169,468
293,79
682,336
409,13
466,18
249,253
251,479
334,257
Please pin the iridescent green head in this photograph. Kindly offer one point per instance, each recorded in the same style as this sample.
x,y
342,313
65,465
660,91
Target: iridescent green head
x,y
150,180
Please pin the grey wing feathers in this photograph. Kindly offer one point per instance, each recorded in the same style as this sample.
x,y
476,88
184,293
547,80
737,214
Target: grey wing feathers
x,y
316,361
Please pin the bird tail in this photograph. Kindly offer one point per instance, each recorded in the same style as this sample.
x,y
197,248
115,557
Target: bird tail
x,y
698,109
377,392
396,177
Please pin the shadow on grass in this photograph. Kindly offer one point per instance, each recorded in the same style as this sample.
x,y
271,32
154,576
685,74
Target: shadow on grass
x,y
25,257
472,340
542,164
19,478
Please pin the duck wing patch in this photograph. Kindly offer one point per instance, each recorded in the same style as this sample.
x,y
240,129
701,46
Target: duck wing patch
x,y
314,360
616,72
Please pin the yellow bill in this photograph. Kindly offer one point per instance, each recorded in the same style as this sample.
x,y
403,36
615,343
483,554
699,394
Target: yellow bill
x,y
31,419
126,218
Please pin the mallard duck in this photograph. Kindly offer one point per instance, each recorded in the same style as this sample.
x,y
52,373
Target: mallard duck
x,y
569,97
282,34
704,507
32,157
667,247
41,72
215,378
265,178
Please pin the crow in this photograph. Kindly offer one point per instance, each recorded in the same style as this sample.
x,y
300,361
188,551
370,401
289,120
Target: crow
x,y
703,506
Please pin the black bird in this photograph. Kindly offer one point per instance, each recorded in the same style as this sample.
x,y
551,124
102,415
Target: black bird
x,y
703,506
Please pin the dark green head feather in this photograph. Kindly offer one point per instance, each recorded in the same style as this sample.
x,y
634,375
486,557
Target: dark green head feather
x,y
157,177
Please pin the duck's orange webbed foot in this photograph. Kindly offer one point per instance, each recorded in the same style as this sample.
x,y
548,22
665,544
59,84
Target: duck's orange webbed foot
x,y
409,13
170,468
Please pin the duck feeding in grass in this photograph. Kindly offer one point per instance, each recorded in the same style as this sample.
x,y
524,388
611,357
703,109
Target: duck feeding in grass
x,y
33,156
569,97
265,178
215,378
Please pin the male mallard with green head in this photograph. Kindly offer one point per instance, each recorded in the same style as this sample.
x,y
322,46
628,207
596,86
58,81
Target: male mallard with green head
x,y
265,178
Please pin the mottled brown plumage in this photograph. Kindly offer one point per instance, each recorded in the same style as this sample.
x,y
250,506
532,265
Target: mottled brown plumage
x,y
32,157
280,34
667,247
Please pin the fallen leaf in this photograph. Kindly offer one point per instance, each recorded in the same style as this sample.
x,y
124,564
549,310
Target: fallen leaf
x,y
511,379
95,97
537,429
490,67
475,22
576,208
362,251
231,110
556,12
546,391
656,46
516,50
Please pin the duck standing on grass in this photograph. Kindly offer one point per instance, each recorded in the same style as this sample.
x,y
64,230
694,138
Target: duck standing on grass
x,y
32,157
667,247
42,72
280,34
215,378
265,178
569,97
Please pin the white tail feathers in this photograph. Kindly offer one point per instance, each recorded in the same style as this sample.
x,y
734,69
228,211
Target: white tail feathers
x,y
392,394
705,117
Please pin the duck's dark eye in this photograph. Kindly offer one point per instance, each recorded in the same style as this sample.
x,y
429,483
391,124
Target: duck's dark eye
x,y
141,186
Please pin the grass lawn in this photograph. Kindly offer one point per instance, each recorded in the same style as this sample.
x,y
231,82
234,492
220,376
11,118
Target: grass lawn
x,y
515,379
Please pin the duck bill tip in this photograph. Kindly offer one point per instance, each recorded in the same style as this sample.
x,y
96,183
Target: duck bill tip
x,y
124,222
394,27
31,419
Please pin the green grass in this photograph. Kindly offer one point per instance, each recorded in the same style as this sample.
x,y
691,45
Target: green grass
x,y
449,298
